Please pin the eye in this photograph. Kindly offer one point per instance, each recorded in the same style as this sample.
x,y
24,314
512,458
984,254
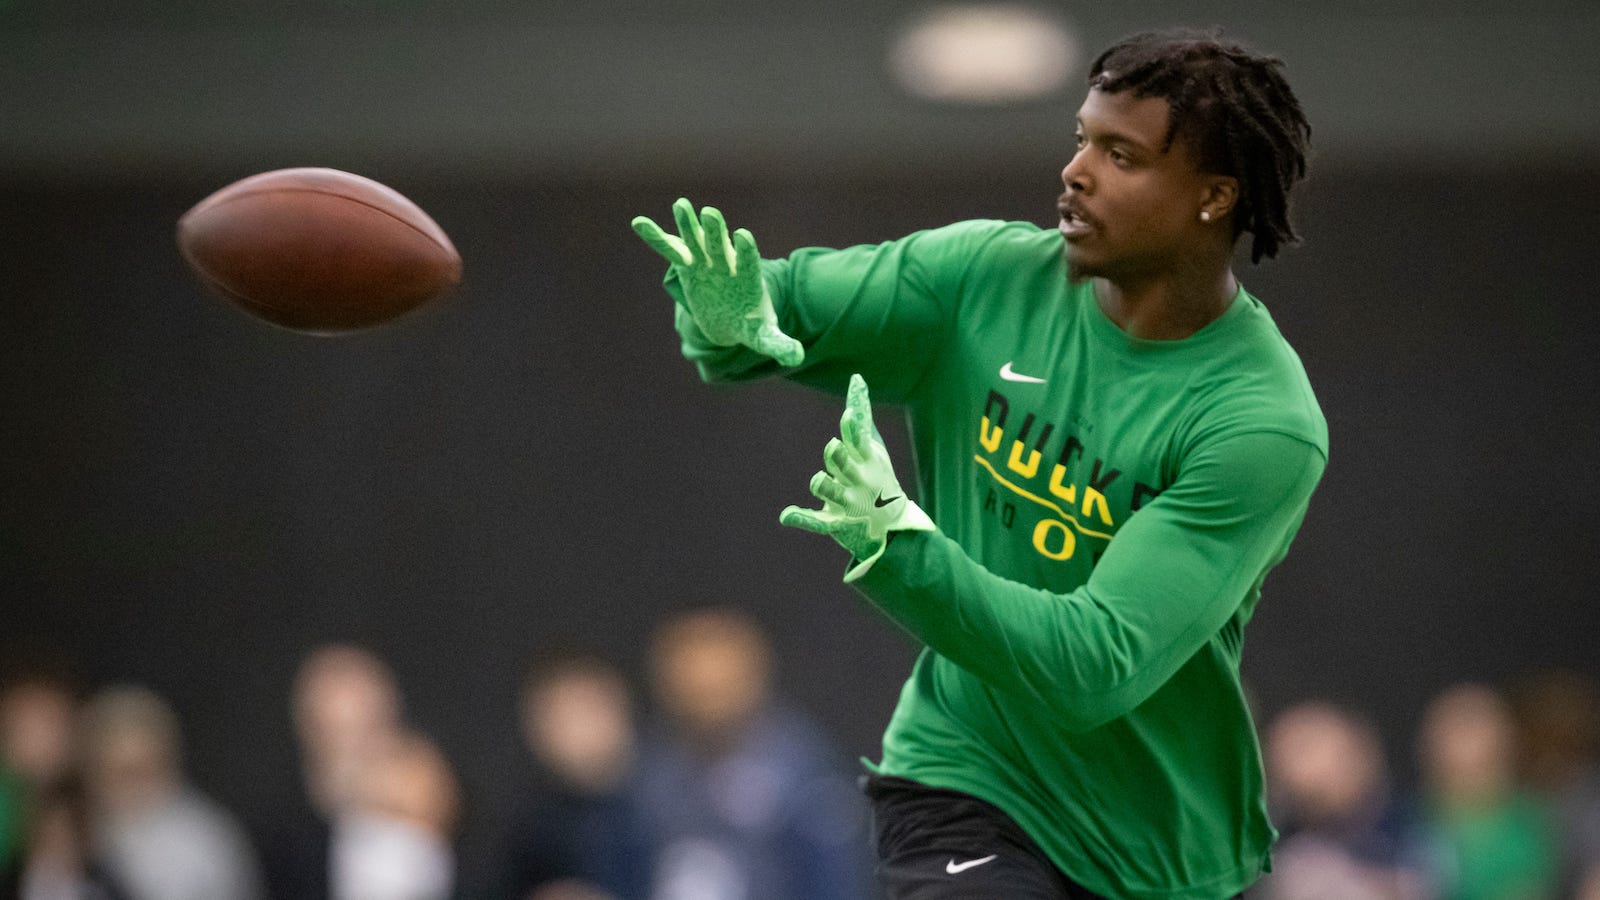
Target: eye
x,y
1120,158
1078,141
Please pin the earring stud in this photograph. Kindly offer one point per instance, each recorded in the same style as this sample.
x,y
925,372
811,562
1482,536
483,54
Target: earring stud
x,y
1205,215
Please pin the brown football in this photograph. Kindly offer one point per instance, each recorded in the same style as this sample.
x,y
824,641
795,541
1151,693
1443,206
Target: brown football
x,y
318,250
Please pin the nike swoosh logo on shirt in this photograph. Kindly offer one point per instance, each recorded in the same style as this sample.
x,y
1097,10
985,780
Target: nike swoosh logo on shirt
x,y
955,868
1009,375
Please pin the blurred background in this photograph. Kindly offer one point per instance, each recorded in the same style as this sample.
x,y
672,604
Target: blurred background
x,y
194,502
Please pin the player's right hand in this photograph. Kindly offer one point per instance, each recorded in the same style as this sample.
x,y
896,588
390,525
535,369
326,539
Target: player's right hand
x,y
862,500
721,279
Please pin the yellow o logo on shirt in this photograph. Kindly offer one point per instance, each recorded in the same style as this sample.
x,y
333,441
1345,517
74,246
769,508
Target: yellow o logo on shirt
x,y
1041,533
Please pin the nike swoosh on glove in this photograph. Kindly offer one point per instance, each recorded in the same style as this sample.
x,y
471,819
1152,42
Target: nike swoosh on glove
x,y
862,501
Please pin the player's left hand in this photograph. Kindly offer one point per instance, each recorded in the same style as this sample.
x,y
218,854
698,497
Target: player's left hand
x,y
862,500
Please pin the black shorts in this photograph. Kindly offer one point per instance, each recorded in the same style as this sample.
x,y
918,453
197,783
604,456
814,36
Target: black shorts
x,y
937,844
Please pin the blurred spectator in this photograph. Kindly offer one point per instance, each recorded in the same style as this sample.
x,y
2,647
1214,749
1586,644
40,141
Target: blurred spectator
x,y
745,797
45,849
38,712
37,721
1344,836
159,836
1489,839
1558,718
578,832
346,709
55,860
382,803
395,838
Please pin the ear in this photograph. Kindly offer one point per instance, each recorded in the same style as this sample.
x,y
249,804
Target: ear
x,y
1219,194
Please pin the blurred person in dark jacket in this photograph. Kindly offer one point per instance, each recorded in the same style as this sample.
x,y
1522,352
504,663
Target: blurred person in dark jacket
x,y
577,832
745,798
1344,833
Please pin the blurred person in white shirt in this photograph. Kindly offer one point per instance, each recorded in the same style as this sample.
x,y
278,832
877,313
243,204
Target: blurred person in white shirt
x,y
158,835
395,839
383,800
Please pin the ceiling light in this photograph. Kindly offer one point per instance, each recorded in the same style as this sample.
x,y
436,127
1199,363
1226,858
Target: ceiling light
x,y
984,54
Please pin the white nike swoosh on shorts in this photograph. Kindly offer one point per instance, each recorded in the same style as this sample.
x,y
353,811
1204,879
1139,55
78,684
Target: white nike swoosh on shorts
x,y
1009,375
955,868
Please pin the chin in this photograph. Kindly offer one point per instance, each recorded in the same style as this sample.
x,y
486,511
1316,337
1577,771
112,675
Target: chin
x,y
1080,269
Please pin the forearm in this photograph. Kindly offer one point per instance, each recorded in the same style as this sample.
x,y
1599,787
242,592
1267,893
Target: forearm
x,y
882,310
1172,577
1063,649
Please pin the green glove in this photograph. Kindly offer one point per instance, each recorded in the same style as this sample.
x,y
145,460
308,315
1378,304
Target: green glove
x,y
862,501
722,286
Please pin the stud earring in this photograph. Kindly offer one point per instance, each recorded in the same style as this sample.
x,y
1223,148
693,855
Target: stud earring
x,y
1205,215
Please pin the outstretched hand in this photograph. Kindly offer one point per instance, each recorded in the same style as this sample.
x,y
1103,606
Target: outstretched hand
x,y
721,279
862,500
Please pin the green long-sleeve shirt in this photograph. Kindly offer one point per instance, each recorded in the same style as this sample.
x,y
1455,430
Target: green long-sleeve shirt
x,y
1107,510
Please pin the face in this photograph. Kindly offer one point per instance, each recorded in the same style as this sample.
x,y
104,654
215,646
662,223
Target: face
x,y
36,731
580,725
344,699
1468,743
1325,763
712,674
129,768
1132,204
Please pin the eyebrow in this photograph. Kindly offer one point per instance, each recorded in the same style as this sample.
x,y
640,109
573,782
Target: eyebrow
x,y
1115,137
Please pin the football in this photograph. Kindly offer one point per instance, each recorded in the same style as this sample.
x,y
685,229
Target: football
x,y
318,250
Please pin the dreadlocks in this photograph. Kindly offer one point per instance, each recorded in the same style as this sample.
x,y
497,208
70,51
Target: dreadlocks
x,y
1233,106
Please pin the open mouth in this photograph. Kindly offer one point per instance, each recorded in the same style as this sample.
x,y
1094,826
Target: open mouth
x,y
1073,222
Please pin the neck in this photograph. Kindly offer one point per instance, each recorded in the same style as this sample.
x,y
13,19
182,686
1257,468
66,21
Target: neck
x,y
1166,307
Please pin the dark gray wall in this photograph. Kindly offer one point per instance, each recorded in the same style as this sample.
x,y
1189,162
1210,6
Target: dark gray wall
x,y
192,498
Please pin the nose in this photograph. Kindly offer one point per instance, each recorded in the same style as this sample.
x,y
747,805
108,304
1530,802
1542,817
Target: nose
x,y
1074,175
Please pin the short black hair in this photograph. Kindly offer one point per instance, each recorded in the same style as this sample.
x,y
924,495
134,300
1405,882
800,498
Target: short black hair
x,y
1233,107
